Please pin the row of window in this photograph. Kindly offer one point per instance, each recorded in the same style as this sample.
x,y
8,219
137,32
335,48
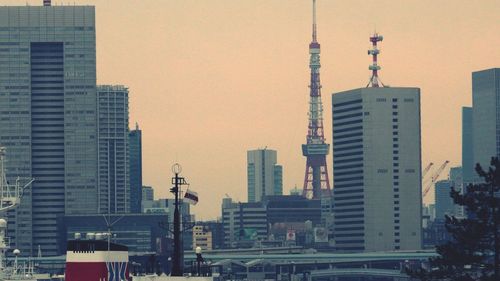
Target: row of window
x,y
395,163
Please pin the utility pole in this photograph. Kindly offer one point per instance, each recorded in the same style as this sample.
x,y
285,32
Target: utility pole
x,y
177,258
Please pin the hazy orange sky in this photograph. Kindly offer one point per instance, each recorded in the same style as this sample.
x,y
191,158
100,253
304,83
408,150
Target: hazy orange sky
x,y
210,79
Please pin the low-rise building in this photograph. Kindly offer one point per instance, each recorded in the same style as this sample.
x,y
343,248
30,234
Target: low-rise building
x,y
202,237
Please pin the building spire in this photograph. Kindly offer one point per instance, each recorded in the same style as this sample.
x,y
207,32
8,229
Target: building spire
x,y
314,38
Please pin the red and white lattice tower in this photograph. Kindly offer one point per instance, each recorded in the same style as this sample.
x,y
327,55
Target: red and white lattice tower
x,y
316,182
374,67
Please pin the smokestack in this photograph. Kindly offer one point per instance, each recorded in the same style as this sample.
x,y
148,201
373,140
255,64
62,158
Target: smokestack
x,y
46,3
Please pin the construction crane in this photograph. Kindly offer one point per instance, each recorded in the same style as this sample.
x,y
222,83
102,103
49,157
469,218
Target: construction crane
x,y
434,178
426,170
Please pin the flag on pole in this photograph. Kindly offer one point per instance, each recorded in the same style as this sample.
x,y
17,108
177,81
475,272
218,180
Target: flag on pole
x,y
191,197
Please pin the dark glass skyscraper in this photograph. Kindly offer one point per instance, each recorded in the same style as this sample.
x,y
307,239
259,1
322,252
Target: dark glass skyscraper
x,y
485,117
48,117
135,140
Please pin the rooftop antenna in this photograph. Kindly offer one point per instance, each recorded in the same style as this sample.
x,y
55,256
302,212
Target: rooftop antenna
x,y
314,23
47,3
374,67
109,225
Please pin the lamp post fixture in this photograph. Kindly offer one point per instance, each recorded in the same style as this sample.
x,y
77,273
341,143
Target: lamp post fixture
x,y
177,260
199,260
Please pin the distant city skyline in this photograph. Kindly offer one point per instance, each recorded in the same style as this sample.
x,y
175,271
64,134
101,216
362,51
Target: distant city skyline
x,y
210,80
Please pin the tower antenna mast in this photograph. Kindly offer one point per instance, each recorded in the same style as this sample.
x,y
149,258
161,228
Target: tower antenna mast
x,y
375,82
316,182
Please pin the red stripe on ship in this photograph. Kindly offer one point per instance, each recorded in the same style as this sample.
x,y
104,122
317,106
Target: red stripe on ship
x,y
86,271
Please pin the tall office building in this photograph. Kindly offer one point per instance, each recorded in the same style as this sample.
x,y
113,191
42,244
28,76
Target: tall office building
x,y
377,169
485,116
48,117
135,138
113,151
265,177
444,203
457,182
467,153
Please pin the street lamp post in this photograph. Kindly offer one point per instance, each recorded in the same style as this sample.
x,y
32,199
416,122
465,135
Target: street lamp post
x,y
199,260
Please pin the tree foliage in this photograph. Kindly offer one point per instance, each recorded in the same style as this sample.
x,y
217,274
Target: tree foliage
x,y
472,254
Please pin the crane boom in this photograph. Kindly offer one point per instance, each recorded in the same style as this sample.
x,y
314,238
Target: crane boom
x,y
434,177
426,170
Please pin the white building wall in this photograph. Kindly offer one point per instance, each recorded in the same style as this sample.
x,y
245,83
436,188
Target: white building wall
x,y
391,170
262,181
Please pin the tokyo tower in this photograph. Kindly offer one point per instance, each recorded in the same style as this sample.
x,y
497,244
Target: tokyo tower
x,y
316,182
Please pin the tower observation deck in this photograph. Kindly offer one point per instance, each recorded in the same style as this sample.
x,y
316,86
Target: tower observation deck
x,y
316,182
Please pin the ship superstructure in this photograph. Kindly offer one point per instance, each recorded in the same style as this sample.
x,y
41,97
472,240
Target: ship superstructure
x,y
96,259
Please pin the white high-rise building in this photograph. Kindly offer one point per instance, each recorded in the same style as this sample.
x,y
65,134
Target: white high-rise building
x,y
265,177
113,150
377,169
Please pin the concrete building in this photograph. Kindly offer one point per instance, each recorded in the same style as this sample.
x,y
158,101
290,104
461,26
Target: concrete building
x,y
457,181
264,176
48,117
135,138
377,169
148,193
247,223
202,237
444,203
113,150
467,149
167,206
140,232
217,229
485,116
292,208
244,223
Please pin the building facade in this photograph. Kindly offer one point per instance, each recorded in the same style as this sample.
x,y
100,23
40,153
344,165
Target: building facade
x,y
148,193
135,138
244,223
113,150
167,206
377,169
48,117
467,149
444,203
264,176
292,209
216,228
202,237
140,232
485,117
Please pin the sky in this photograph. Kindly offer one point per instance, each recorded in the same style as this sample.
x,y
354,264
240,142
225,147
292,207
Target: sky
x,y
211,79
